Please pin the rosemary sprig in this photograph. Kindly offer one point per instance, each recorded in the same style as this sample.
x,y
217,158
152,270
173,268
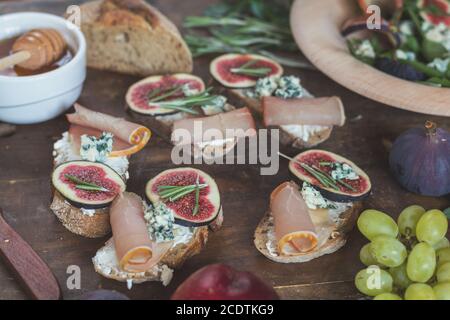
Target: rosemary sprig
x,y
154,93
249,26
323,177
167,94
83,185
254,72
197,196
185,104
173,193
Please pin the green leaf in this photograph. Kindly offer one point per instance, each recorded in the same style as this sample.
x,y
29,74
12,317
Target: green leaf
x,y
432,50
447,212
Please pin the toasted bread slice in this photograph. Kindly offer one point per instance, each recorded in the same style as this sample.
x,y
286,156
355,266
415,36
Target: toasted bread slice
x,y
105,261
86,223
133,37
331,236
287,137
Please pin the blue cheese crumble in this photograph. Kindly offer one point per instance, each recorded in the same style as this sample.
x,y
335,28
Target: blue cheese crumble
x,y
405,55
314,199
440,65
343,171
217,105
407,28
439,34
287,87
365,49
96,149
188,91
160,220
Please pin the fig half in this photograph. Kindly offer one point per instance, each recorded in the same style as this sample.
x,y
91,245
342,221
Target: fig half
x,y
183,208
308,164
141,93
435,11
79,182
243,70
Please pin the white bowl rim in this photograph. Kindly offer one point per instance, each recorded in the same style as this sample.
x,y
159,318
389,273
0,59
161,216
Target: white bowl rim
x,y
70,26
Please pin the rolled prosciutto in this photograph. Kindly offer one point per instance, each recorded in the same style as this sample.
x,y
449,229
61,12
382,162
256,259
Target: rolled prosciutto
x,y
215,127
328,111
129,137
135,251
294,229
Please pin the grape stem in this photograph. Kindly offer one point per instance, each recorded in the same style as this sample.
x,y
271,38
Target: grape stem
x,y
431,128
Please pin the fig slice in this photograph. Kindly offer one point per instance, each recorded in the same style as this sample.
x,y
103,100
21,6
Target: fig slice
x,y
321,161
183,208
139,94
435,11
65,176
224,69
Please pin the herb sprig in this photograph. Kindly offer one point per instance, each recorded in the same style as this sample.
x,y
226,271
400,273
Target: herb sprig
x,y
159,95
83,185
246,69
173,193
186,103
322,176
245,26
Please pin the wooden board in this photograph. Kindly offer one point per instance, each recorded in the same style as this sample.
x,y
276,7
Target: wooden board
x,y
316,26
26,164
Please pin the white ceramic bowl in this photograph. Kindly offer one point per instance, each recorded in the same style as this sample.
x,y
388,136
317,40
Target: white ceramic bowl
x,y
37,98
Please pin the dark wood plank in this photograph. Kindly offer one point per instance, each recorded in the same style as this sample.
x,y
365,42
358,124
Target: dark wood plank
x,y
25,194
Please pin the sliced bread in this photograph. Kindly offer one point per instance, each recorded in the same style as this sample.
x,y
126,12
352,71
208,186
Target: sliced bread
x,y
331,234
86,223
132,37
105,261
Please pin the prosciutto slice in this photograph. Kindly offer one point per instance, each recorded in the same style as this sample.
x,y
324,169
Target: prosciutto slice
x,y
326,111
135,251
129,137
219,126
294,230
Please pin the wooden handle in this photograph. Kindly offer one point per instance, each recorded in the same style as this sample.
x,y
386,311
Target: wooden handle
x,y
33,273
15,58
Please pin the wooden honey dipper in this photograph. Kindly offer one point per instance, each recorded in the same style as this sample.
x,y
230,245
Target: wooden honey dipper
x,y
35,49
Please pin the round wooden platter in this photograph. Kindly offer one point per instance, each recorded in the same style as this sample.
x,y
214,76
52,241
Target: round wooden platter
x,y
316,27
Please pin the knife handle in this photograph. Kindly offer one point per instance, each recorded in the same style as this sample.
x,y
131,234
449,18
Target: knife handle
x,y
32,272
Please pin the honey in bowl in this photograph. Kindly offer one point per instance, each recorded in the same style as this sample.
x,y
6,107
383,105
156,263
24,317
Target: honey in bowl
x,y
6,49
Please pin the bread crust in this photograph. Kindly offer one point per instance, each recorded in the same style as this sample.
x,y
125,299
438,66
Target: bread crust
x,y
338,237
286,139
133,37
162,272
91,226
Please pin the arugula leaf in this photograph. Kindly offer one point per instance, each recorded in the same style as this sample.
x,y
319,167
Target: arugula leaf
x,y
447,212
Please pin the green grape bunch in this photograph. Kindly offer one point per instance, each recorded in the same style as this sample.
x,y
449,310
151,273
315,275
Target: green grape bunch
x,y
407,259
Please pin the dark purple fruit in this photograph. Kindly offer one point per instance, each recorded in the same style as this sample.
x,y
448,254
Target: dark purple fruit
x,y
399,70
103,295
420,160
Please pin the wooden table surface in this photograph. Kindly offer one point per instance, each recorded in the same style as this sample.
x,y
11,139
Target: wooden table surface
x,y
26,165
